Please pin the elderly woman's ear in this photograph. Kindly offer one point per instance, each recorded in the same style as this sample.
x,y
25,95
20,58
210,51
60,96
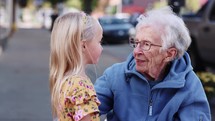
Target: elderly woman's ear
x,y
171,54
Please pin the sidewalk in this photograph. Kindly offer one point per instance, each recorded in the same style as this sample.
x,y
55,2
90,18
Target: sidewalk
x,y
24,88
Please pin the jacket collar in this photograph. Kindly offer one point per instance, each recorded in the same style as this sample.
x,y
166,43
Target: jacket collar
x,y
174,79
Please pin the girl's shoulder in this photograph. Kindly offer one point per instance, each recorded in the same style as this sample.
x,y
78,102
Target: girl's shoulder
x,y
78,86
77,82
77,79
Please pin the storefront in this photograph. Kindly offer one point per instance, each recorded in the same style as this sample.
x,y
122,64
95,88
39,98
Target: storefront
x,y
6,15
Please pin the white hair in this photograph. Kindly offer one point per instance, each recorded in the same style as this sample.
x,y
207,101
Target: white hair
x,y
172,28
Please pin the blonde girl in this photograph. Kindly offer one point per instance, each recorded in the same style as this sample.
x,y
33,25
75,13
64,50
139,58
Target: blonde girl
x,y
75,42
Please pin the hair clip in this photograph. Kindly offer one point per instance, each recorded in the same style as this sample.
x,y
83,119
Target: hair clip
x,y
84,18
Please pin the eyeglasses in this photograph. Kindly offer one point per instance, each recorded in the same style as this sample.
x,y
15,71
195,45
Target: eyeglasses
x,y
144,45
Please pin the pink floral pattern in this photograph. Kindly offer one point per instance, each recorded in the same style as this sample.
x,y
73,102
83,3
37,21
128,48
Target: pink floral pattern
x,y
78,99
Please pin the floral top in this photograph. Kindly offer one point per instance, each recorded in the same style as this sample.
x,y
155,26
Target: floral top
x,y
78,99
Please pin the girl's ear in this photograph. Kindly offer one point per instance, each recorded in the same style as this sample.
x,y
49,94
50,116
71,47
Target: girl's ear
x,y
171,54
83,45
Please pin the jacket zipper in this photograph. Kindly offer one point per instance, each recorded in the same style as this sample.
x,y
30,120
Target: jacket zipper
x,y
150,107
150,104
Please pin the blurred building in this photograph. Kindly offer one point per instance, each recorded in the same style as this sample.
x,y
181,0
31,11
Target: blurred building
x,y
137,6
132,6
6,21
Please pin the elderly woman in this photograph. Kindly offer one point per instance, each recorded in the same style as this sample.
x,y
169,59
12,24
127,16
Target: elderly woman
x,y
157,81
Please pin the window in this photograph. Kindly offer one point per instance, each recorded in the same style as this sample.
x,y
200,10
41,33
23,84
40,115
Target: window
x,y
212,13
127,2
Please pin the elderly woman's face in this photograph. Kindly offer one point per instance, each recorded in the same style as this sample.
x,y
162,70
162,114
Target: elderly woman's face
x,y
148,61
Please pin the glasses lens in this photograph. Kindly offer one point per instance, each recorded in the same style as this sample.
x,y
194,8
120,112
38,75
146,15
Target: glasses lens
x,y
146,46
132,42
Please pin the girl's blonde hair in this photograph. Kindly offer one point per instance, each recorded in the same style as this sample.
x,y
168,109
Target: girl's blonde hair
x,y
66,54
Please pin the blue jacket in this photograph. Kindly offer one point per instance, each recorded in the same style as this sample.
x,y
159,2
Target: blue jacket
x,y
126,95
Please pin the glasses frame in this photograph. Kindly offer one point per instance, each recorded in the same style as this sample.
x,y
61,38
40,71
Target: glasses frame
x,y
134,43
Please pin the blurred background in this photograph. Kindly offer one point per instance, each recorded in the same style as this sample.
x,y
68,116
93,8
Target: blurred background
x,y
25,27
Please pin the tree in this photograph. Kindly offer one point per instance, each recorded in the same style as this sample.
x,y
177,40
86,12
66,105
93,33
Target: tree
x,y
55,2
87,6
22,3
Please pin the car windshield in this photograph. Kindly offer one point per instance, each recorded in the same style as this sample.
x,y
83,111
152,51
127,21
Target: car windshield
x,y
113,20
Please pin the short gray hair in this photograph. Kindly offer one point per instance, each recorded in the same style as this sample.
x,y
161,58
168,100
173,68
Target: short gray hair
x,y
174,32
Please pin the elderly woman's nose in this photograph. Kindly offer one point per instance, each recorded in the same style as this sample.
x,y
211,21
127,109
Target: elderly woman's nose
x,y
138,49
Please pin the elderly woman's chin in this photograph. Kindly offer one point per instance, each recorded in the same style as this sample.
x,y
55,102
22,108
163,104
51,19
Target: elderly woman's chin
x,y
140,68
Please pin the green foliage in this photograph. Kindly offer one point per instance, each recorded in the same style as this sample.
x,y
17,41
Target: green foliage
x,y
94,4
54,2
74,3
87,6
192,5
79,4
46,4
208,82
159,4
22,3
111,10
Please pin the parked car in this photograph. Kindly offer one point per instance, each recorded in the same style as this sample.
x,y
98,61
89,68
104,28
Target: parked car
x,y
133,18
116,29
202,30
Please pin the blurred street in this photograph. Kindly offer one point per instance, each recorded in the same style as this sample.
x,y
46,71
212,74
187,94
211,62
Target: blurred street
x,y
24,69
24,63
24,89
